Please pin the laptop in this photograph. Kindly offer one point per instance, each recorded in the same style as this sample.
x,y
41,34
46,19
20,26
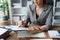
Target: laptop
x,y
4,33
54,33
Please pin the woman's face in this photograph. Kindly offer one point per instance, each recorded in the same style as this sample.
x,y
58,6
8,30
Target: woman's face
x,y
37,2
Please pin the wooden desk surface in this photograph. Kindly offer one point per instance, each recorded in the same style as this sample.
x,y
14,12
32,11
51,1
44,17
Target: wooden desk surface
x,y
55,28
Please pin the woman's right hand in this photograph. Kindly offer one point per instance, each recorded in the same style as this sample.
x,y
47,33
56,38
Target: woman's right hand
x,y
20,23
33,29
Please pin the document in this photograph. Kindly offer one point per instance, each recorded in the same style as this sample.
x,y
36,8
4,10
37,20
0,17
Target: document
x,y
54,34
19,28
15,28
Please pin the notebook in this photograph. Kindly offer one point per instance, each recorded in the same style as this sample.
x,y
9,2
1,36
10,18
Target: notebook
x,y
54,34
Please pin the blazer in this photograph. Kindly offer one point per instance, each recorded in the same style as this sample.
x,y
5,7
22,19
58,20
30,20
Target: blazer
x,y
44,19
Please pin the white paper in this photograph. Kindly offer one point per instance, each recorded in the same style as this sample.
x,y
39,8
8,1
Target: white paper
x,y
2,31
15,28
19,28
53,34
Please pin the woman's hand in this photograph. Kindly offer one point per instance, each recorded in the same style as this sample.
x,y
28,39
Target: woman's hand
x,y
43,28
20,23
36,29
33,29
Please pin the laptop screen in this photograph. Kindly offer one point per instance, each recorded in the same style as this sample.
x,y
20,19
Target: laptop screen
x,y
2,31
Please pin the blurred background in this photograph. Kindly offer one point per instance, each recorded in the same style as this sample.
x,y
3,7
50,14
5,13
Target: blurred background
x,y
17,9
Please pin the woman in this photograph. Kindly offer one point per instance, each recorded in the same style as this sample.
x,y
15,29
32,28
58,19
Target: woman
x,y
39,15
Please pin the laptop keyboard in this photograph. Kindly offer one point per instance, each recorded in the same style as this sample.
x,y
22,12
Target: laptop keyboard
x,y
59,32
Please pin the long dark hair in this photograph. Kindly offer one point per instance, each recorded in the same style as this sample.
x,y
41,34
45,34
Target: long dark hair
x,y
50,2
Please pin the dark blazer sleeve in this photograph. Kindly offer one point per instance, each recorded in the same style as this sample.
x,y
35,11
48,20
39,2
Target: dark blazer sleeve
x,y
48,23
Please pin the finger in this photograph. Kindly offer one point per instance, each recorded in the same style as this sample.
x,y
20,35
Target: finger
x,y
30,28
43,29
30,31
16,23
39,28
36,28
34,32
22,22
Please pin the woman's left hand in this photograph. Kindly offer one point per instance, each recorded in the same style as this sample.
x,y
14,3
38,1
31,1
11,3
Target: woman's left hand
x,y
43,28
33,29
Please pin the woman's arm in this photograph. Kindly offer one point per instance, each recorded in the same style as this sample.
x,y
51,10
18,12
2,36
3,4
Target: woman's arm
x,y
25,20
48,23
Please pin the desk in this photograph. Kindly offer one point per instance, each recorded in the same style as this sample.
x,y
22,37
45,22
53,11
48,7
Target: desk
x,y
55,28
46,33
